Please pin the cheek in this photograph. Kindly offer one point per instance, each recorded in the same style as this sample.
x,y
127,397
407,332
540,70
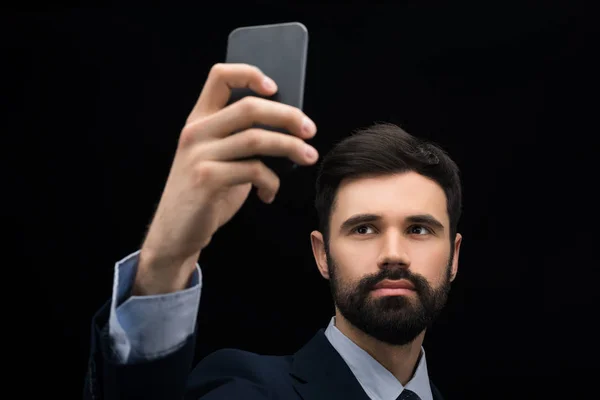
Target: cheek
x,y
431,262
353,261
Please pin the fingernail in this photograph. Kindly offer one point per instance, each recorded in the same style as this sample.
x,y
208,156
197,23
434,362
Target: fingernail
x,y
311,152
308,126
269,84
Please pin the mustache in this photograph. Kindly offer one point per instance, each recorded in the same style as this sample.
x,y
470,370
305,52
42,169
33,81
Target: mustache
x,y
368,283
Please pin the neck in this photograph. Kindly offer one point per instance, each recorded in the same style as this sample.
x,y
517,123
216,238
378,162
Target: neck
x,y
401,361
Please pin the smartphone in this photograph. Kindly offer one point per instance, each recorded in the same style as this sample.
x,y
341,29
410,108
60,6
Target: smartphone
x,y
280,51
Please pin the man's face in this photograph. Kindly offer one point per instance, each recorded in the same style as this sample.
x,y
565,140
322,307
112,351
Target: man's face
x,y
390,230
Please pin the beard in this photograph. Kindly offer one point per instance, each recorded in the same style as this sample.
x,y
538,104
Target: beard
x,y
395,320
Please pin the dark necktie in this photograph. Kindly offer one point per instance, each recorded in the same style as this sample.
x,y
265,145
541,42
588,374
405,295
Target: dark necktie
x,y
408,395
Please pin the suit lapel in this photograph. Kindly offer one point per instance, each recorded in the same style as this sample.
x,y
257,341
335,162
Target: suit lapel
x,y
320,373
436,393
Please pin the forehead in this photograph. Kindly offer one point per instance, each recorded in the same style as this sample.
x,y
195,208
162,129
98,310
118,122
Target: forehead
x,y
393,196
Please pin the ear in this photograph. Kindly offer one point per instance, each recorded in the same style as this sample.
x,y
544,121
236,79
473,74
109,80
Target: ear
x,y
318,248
457,243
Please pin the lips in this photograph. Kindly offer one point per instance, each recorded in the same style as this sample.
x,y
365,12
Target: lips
x,y
400,284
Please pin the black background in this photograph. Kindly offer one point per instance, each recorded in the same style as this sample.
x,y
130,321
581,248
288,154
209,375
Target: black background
x,y
96,100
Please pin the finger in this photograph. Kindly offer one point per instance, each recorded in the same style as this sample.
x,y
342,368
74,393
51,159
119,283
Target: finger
x,y
251,111
220,174
222,78
257,142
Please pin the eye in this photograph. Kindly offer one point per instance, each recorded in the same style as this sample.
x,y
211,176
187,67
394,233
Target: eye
x,y
361,229
419,230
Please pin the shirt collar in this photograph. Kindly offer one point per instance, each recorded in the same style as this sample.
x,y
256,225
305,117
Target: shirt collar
x,y
376,380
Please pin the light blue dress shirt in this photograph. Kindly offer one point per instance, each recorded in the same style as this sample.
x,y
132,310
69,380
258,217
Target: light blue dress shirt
x,y
147,327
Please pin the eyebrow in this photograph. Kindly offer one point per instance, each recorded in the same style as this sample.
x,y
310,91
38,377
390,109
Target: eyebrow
x,y
426,219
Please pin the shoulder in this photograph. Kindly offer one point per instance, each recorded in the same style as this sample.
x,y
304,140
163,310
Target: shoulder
x,y
242,362
239,367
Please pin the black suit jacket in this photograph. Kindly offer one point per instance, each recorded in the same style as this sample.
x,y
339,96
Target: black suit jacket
x,y
315,372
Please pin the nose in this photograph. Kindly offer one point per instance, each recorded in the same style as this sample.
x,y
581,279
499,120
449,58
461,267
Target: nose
x,y
394,252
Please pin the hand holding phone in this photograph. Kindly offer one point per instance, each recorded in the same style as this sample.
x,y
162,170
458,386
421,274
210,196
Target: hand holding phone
x,y
213,171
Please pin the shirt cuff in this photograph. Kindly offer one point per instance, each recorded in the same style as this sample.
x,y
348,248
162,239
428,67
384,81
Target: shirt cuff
x,y
142,328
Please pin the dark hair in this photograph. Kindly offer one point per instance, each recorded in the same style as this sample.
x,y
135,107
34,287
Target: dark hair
x,y
385,149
